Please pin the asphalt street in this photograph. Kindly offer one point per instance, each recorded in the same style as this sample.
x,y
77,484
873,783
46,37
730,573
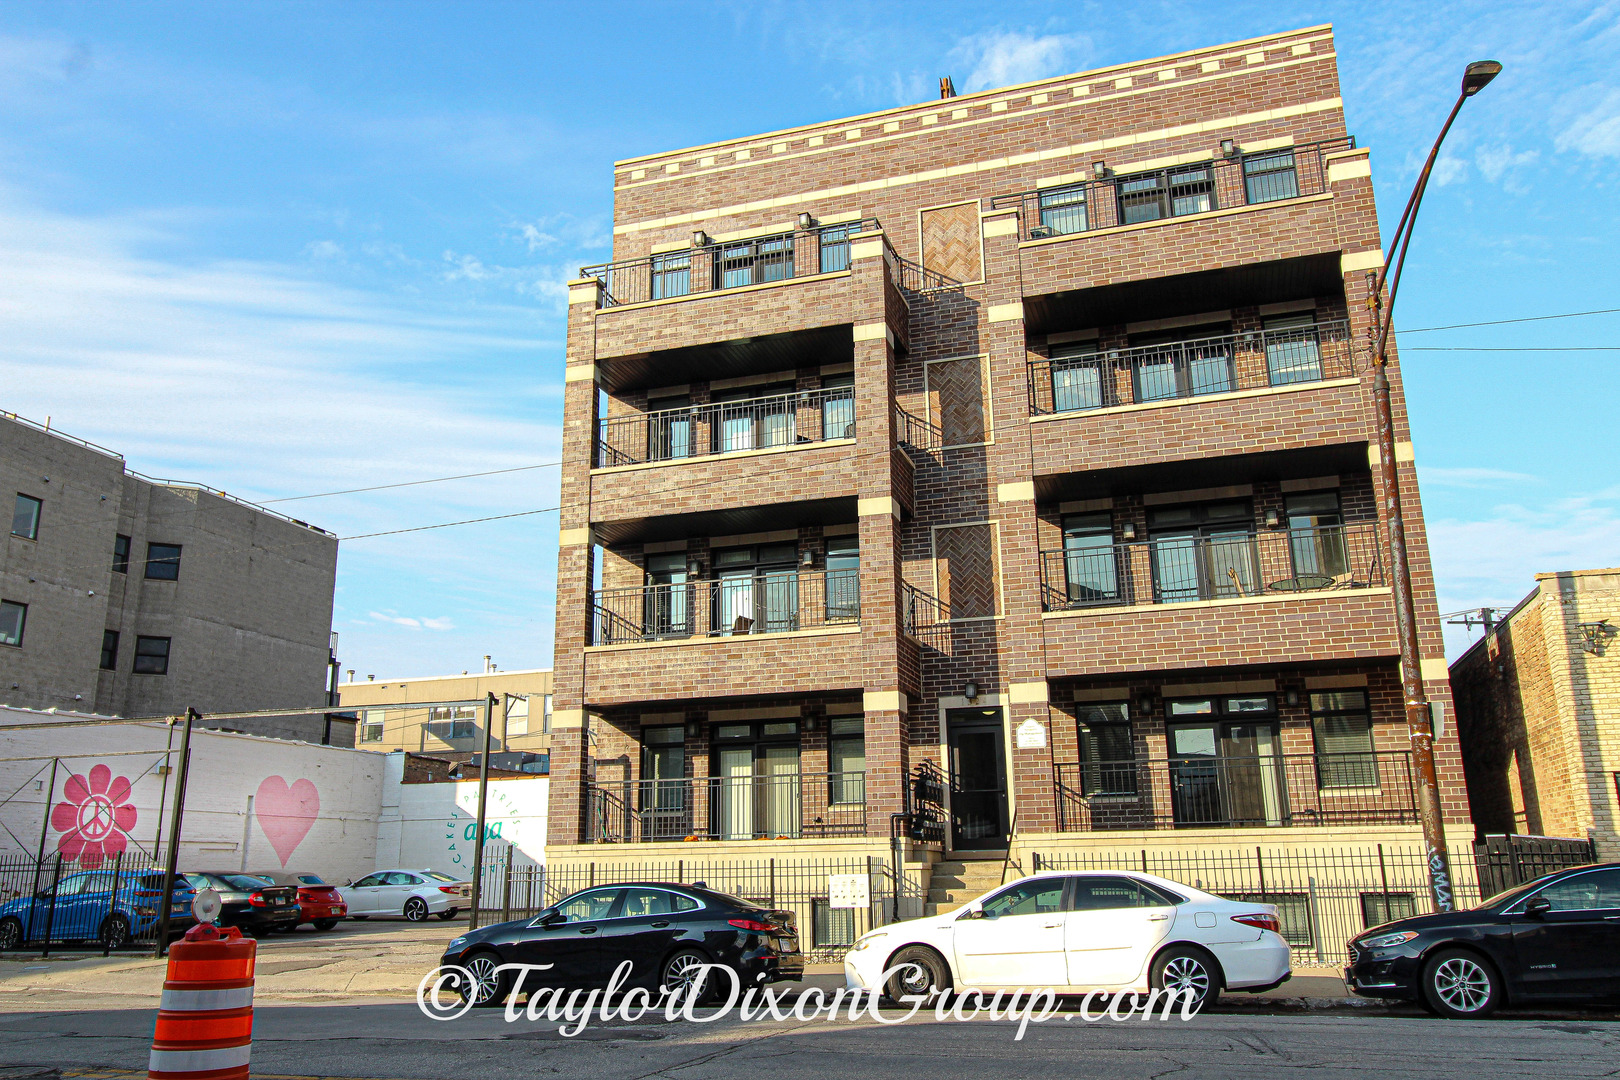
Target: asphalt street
x,y
394,1040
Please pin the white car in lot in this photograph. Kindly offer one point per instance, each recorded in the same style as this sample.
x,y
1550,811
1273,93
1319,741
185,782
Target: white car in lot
x,y
1075,932
415,894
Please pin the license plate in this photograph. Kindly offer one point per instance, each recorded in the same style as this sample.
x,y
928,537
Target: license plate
x,y
180,909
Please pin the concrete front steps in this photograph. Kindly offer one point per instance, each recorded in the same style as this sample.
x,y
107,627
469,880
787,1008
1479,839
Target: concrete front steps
x,y
954,883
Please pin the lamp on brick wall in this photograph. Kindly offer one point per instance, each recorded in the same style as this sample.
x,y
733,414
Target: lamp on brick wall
x,y
1594,635
971,690
1128,530
1272,521
807,220
1228,148
1099,169
700,238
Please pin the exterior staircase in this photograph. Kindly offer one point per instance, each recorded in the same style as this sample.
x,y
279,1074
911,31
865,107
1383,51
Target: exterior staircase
x,y
955,883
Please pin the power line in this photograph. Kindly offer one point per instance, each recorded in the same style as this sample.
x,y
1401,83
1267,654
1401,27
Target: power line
x,y
448,524
1513,348
1504,322
413,483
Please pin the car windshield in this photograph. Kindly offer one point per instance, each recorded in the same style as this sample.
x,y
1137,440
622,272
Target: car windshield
x,y
1507,896
436,876
244,882
310,879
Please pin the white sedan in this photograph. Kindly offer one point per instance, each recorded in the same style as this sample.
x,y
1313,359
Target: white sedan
x,y
415,894
1075,932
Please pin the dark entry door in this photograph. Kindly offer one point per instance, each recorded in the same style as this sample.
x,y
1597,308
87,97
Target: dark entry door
x,y
978,779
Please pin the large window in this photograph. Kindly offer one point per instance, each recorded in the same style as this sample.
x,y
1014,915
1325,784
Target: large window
x,y
1079,378
843,579
163,561
758,589
25,517
846,759
13,620
1089,568
1270,176
449,722
151,655
835,246
1293,354
1171,193
753,262
1107,751
1186,361
1063,210
1203,552
1316,535
517,715
109,650
1344,743
120,554
371,727
671,274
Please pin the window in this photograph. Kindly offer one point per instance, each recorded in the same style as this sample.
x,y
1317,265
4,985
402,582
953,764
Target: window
x,y
758,590
1316,536
151,656
1292,351
517,715
669,428
830,927
1188,361
843,579
753,418
545,723
371,729
13,617
120,554
1089,570
1112,893
838,410
1107,751
369,881
163,561
640,902
671,274
397,878
753,262
1079,378
1344,745
589,906
448,730
846,759
1203,552
1043,896
835,247
1270,176
1172,193
1597,891
109,650
1063,210
668,599
1293,912
25,517
1379,908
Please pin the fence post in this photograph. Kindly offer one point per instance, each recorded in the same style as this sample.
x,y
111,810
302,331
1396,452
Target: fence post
x,y
112,903
1144,860
39,860
506,888
1383,873
773,883
1316,920
1260,865
593,876
50,912
680,871
1035,861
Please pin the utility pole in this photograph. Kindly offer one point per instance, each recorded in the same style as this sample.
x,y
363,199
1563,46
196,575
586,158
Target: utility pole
x,y
1419,712
170,868
483,799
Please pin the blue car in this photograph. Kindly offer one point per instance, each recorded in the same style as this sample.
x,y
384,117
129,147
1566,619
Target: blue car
x,y
82,908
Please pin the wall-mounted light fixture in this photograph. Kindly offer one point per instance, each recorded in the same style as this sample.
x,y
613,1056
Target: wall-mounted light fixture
x,y
971,691
692,730
1228,147
807,557
1128,530
1594,635
1099,169
694,566
806,220
1272,521
1292,697
809,723
700,238
1144,703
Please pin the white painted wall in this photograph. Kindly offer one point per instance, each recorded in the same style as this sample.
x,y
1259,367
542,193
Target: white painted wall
x,y
433,826
252,803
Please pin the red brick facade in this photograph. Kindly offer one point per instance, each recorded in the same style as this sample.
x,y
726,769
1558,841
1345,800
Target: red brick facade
x,y
953,428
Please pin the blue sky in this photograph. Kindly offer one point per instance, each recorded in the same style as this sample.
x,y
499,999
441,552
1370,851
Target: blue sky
x,y
291,248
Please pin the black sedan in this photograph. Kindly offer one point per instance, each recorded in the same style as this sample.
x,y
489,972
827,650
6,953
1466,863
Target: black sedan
x,y
252,904
1555,938
666,931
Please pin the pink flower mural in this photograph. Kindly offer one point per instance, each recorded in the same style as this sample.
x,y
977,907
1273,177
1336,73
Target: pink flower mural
x,y
94,817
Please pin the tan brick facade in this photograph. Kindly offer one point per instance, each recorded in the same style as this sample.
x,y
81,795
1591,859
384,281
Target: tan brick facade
x,y
946,317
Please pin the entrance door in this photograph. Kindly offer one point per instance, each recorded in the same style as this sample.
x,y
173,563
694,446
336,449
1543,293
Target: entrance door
x,y
737,793
978,779
1226,774
779,780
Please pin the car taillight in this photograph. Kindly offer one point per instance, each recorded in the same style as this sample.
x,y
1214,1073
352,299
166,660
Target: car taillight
x,y
453,890
752,925
257,900
1260,921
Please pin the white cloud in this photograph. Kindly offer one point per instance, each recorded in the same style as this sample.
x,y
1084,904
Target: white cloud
x,y
423,623
466,268
1595,132
1500,165
1449,170
1471,477
324,250
1006,57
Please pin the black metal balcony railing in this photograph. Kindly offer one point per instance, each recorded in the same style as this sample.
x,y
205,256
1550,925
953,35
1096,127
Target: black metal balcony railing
x,y
1182,369
1241,180
1373,787
747,807
919,610
766,603
808,416
916,432
731,264
1180,569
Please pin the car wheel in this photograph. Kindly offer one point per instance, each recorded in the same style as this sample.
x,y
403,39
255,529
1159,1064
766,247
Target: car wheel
x,y
114,932
921,971
416,909
486,986
11,934
1461,985
681,971
447,914
325,924
1182,968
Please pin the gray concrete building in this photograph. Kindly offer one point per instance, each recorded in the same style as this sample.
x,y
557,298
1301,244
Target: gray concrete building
x,y
129,596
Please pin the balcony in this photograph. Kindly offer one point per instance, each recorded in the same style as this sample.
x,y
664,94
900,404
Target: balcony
x,y
710,266
1239,180
1257,791
1189,569
781,602
1149,374
697,431
786,806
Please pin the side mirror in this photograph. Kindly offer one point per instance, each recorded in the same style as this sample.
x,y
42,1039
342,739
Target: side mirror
x,y
553,918
1538,907
973,913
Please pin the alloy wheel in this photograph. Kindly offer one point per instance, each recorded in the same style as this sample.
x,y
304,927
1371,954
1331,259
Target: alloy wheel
x,y
115,933
682,972
1462,984
10,934
485,979
415,909
1186,973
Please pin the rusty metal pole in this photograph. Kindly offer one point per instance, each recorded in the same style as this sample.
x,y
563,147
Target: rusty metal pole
x,y
483,798
1419,713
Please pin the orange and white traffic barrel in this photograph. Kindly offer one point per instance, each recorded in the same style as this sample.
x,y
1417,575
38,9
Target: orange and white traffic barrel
x,y
205,1021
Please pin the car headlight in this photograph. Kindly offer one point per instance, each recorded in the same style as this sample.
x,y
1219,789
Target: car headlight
x,y
1387,941
456,943
864,942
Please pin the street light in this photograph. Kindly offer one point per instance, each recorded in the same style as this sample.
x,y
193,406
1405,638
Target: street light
x,y
1419,717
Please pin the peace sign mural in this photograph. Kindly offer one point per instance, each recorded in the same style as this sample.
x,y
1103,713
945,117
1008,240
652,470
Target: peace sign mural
x,y
94,817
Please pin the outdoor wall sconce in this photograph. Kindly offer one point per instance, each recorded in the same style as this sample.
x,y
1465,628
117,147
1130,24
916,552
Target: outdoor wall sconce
x,y
971,691
692,730
1292,697
1099,169
806,220
700,238
1228,147
1595,635
1128,530
1272,520
1144,704
807,557
694,568
809,723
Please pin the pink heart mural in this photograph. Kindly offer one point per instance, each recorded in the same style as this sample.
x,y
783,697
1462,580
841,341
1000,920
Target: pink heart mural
x,y
286,814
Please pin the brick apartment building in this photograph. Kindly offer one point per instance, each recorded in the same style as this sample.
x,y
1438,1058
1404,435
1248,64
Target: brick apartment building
x,y
1024,435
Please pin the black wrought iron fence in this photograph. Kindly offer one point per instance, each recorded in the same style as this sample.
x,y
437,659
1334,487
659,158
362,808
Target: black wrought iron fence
x,y
766,603
746,807
712,265
1182,569
54,903
808,416
1503,862
1087,378
1241,179
917,432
